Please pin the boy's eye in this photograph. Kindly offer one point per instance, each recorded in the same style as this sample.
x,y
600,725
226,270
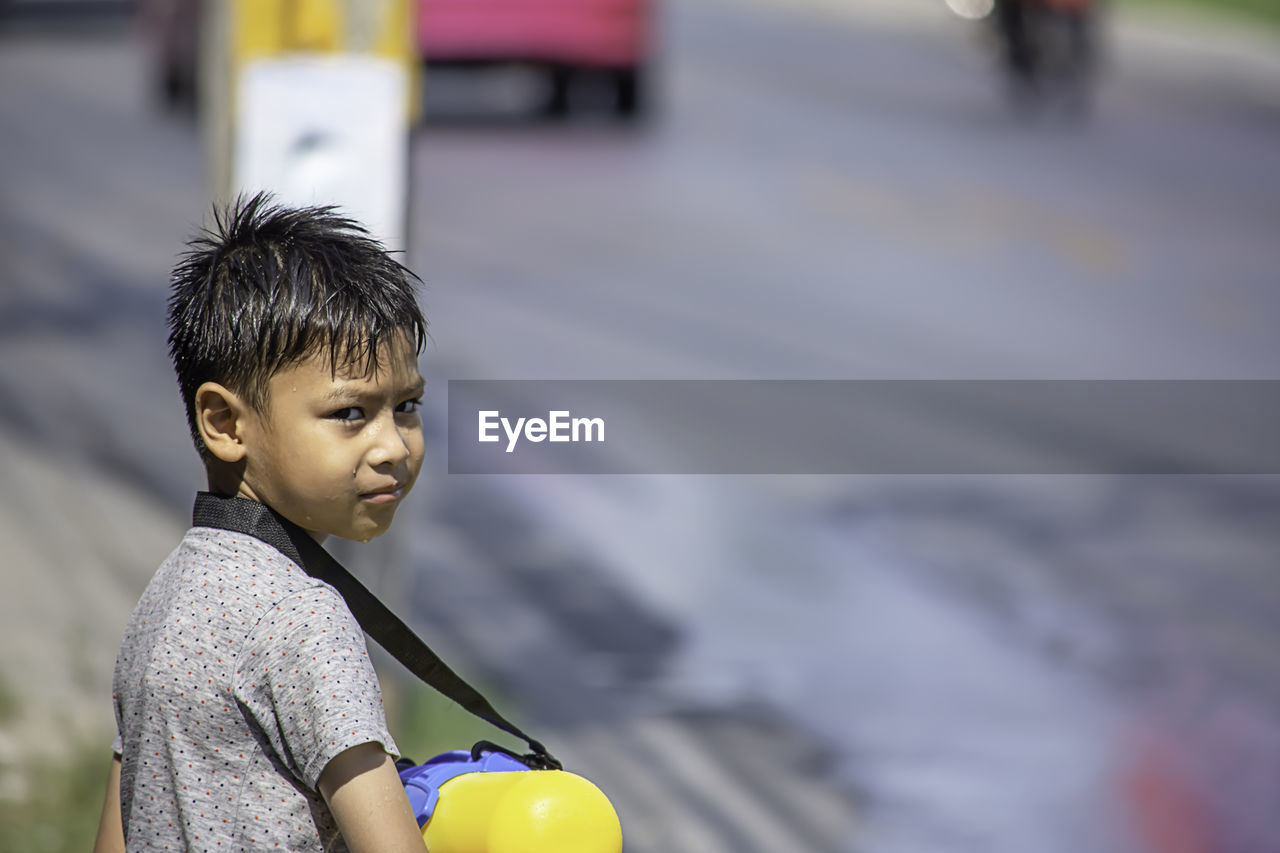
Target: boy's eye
x,y
408,407
350,413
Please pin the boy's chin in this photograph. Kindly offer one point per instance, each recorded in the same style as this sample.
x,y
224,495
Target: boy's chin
x,y
360,526
367,528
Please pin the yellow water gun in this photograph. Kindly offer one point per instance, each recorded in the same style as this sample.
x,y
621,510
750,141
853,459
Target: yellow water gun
x,y
489,800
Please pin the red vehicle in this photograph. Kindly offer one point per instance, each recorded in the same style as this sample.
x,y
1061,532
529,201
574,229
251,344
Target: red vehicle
x,y
567,37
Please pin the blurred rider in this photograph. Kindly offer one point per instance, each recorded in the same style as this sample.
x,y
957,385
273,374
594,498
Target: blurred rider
x,y
1046,47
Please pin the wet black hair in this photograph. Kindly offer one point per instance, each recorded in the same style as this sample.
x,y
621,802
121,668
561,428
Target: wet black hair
x,y
267,286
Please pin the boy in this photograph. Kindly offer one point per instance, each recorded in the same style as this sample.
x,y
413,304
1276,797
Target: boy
x,y
247,712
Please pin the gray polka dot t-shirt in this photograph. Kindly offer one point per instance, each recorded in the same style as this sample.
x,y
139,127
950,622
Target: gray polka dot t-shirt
x,y
239,678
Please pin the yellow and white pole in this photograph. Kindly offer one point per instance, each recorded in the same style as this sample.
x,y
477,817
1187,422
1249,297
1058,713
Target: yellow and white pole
x,y
313,100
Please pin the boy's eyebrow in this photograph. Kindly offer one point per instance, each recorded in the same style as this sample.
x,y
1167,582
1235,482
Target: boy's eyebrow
x,y
351,390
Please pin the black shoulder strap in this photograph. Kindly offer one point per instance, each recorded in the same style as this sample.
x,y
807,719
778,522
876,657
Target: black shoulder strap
x,y
261,522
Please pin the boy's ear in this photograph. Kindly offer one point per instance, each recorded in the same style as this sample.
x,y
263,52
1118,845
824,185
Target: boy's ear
x,y
221,416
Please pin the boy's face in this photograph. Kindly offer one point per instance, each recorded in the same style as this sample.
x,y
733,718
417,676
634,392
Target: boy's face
x,y
336,454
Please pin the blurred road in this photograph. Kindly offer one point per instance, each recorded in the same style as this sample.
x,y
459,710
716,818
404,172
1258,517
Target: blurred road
x,y
996,663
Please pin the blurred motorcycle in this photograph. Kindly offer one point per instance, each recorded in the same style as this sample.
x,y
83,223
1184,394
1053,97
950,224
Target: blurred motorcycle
x,y
1047,52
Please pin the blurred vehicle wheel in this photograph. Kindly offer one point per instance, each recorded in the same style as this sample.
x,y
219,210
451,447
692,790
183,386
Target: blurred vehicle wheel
x,y
631,92
559,79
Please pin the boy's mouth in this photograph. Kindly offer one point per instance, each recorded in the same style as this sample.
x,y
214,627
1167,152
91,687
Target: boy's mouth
x,y
382,496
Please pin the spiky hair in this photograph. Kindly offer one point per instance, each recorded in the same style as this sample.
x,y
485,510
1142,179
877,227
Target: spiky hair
x,y
267,286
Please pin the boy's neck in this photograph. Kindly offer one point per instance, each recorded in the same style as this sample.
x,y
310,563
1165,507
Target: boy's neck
x,y
221,482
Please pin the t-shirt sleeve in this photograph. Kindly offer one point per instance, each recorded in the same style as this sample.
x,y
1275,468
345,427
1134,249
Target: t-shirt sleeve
x,y
305,679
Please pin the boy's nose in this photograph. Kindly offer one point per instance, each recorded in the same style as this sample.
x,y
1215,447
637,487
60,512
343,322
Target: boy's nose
x,y
390,446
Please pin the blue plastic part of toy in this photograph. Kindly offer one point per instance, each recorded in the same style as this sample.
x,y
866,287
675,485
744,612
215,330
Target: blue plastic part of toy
x,y
422,783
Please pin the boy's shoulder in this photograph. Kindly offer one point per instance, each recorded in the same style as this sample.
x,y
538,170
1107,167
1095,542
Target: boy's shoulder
x,y
229,550
224,565
219,590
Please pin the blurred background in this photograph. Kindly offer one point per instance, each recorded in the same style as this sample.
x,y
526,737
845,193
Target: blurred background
x,y
746,189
